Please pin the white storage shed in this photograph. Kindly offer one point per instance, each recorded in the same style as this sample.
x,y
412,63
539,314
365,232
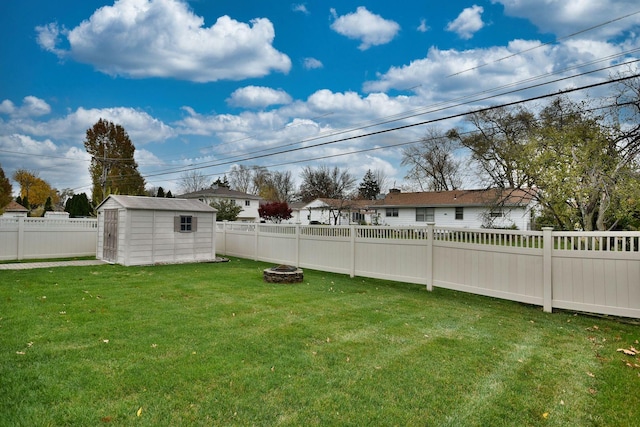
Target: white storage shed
x,y
138,230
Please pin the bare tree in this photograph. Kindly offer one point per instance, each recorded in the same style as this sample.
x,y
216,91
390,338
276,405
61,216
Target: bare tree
x,y
325,182
381,178
282,186
432,163
241,178
193,180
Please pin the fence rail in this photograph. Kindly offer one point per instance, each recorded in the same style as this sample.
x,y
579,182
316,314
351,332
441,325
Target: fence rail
x,y
596,272
39,238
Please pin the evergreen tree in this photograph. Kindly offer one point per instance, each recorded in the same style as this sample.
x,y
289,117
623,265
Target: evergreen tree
x,y
222,183
48,206
369,187
160,192
5,190
79,206
113,168
169,195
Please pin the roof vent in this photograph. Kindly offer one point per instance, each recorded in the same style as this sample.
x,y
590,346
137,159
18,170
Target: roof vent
x,y
394,190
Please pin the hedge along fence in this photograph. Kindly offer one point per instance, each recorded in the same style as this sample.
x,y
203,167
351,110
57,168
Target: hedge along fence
x,y
596,272
39,238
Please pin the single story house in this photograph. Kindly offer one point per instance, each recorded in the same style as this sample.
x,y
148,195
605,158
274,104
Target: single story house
x,y
492,208
333,212
249,202
139,230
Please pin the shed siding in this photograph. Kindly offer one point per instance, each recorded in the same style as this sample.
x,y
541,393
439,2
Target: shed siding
x,y
147,236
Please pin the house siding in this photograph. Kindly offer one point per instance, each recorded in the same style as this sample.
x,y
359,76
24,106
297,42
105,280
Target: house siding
x,y
474,217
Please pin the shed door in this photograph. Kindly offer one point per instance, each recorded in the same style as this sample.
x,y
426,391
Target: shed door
x,y
110,238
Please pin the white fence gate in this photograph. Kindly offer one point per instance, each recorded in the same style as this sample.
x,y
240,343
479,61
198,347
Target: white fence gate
x,y
39,238
596,272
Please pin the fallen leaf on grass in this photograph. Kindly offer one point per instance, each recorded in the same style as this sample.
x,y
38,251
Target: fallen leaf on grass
x,y
591,375
20,352
545,415
629,351
139,412
593,391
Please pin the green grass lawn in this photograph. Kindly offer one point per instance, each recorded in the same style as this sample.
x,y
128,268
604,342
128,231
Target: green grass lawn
x,y
211,344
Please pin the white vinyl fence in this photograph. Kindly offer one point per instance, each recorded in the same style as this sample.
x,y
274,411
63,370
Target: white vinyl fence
x,y
597,272
39,238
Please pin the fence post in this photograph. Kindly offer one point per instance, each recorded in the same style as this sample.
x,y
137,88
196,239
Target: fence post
x,y
430,227
224,235
352,230
255,243
298,245
20,238
547,248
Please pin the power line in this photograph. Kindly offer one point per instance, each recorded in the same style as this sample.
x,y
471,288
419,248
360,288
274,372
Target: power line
x,y
259,156
546,44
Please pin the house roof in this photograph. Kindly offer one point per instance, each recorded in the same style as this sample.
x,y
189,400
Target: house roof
x,y
223,192
14,206
494,196
159,203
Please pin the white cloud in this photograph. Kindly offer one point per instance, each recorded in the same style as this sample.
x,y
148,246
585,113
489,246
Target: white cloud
x,y
302,8
423,27
468,22
31,107
369,28
164,38
566,17
7,107
311,63
141,127
49,37
258,97
61,166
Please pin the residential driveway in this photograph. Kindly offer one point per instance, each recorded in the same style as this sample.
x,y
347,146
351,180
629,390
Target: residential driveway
x,y
30,265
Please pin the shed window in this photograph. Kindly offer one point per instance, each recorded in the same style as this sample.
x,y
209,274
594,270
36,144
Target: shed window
x,y
185,224
247,202
425,215
459,213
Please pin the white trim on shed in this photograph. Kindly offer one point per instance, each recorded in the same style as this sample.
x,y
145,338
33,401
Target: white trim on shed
x,y
139,230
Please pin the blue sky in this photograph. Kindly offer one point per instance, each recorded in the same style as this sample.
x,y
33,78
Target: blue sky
x,y
211,84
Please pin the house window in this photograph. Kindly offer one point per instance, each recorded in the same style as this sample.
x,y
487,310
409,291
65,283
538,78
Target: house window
x,y
460,213
425,215
233,202
357,217
185,224
392,212
247,202
496,213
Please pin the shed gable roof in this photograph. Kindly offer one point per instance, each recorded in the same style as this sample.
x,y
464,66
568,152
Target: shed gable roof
x,y
159,203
